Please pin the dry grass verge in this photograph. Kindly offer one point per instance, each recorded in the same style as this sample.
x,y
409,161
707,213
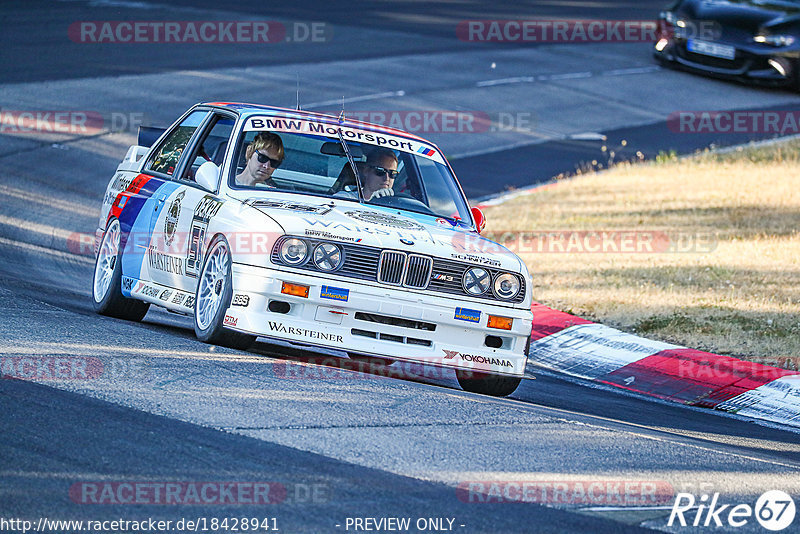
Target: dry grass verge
x,y
729,279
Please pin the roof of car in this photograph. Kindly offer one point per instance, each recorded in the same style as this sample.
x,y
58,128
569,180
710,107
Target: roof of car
x,y
254,109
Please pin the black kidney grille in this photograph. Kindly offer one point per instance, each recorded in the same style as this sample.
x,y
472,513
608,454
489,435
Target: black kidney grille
x,y
418,272
392,267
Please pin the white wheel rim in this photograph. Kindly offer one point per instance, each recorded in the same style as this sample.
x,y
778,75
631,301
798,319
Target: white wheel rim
x,y
107,258
211,287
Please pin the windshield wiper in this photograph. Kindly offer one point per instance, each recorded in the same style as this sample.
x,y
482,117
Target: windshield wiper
x,y
352,164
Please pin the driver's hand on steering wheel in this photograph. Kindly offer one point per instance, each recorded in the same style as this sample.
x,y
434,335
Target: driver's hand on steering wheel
x,y
385,192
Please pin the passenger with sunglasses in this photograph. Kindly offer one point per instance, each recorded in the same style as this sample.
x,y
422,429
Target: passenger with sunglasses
x,y
380,170
264,154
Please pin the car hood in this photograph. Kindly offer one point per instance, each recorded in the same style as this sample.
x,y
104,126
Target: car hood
x,y
386,228
749,15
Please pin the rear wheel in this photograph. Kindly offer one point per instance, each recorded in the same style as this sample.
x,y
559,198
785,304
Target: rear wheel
x,y
107,296
487,383
213,297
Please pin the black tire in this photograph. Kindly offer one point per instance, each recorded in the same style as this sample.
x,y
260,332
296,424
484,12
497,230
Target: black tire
x,y
372,360
108,299
487,383
209,328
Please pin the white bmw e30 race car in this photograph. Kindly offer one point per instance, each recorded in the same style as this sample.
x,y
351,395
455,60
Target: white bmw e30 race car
x,y
313,229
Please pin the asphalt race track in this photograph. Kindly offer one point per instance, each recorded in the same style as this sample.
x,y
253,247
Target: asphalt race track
x,y
335,439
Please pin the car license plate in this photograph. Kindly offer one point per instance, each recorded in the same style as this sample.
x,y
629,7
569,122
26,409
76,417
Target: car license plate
x,y
711,49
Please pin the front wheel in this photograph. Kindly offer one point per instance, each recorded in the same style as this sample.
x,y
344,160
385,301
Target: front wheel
x,y
213,297
487,383
107,296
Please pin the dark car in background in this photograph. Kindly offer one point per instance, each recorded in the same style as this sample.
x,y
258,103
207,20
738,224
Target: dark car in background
x,y
746,40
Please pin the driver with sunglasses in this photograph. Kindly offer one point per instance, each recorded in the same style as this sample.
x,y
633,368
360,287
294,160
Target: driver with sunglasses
x,y
264,154
377,175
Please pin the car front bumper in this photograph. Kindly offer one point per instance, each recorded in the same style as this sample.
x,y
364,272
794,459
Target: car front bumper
x,y
380,321
756,64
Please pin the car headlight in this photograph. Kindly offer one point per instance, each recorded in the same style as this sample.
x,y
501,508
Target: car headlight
x,y
775,40
506,286
327,256
476,281
294,251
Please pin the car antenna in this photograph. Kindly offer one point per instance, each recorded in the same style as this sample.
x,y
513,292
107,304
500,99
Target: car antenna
x,y
349,155
298,91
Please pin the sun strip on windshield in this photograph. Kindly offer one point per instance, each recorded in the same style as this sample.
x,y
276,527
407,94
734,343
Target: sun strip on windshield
x,y
362,135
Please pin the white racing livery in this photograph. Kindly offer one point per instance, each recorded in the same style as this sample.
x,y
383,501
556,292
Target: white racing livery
x,y
261,221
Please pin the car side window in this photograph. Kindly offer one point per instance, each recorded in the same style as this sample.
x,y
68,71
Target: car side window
x,y
211,147
166,158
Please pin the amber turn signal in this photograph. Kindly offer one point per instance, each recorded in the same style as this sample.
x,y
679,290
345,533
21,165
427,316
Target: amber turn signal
x,y
294,289
503,323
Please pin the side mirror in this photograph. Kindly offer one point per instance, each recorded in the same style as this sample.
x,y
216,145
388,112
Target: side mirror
x,y
207,176
480,218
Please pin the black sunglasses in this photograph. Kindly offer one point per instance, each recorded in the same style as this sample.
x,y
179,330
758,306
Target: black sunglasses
x,y
380,171
263,158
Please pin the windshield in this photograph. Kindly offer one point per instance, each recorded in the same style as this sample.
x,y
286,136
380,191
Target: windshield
x,y
306,157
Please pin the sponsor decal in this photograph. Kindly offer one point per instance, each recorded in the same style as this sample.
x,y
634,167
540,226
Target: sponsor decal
x,y
312,334
164,262
121,183
196,239
450,354
149,291
127,283
205,210
165,294
189,301
240,300
178,297
384,219
465,314
472,258
366,134
328,235
334,293
291,206
328,225
171,220
230,320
